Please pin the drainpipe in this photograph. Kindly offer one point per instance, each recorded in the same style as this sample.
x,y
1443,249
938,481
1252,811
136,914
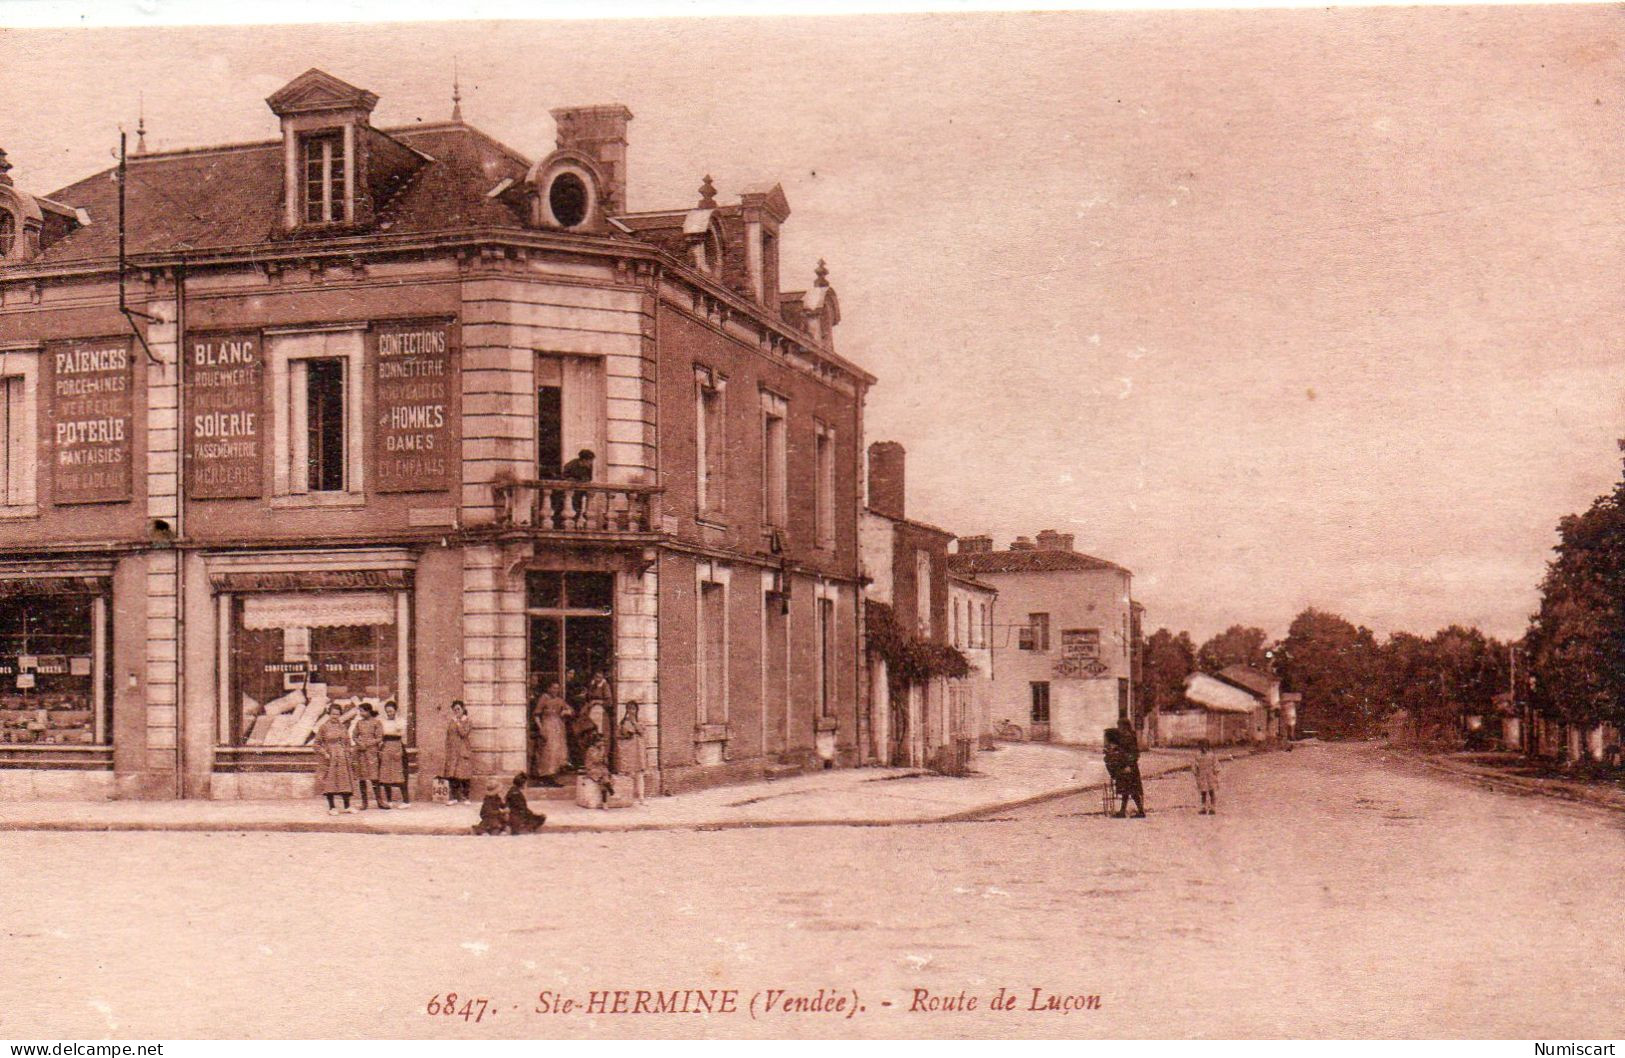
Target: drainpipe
x,y
180,530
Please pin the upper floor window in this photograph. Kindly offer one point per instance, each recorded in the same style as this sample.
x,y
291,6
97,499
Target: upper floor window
x,y
775,460
824,496
324,186
319,425
710,442
1036,635
922,592
8,233
17,438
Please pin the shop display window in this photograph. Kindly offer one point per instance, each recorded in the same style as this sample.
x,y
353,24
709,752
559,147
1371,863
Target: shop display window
x,y
48,671
294,654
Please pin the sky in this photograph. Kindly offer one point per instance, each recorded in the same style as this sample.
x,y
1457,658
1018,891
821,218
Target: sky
x,y
1275,308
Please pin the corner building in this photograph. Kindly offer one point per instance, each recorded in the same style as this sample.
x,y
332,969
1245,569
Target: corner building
x,y
324,458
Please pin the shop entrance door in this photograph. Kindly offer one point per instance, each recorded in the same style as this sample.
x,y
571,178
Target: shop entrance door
x,y
571,639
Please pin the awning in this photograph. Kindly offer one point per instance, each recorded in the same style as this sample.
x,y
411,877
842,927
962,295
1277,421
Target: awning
x,y
333,610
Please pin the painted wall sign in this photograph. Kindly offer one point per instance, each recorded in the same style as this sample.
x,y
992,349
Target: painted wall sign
x,y
225,427
90,424
415,435
1080,654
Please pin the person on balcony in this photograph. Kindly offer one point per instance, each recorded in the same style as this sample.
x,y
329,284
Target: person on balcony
x,y
577,469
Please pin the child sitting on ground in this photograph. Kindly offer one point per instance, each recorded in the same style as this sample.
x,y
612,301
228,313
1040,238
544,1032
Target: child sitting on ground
x,y
493,816
521,820
1207,778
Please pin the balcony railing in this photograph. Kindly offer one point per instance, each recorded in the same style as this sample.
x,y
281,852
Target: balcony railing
x,y
576,506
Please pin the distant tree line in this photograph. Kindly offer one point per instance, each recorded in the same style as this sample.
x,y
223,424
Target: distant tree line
x,y
1569,667
1350,681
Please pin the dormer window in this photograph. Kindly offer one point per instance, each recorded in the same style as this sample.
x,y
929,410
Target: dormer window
x,y
569,199
324,185
8,233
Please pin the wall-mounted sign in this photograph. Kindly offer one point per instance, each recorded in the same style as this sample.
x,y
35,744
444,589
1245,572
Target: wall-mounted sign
x,y
90,404
1080,654
415,401
225,427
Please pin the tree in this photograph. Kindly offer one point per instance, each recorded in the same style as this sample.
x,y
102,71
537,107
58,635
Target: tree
x,y
1337,668
1575,642
1236,645
1169,658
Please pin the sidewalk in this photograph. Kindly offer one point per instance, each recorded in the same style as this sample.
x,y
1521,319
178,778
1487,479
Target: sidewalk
x,y
1014,774
1601,794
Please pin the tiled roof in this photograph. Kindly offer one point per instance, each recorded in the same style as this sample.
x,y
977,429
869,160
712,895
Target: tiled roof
x,y
970,581
229,197
1248,679
1035,561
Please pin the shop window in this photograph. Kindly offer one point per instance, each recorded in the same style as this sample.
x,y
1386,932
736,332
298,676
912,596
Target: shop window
x,y
775,461
292,655
824,492
318,414
1040,709
710,443
8,233
17,438
52,670
325,200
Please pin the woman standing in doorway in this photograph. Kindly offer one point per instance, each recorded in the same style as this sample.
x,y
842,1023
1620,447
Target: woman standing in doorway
x,y
335,766
392,755
459,766
368,734
552,742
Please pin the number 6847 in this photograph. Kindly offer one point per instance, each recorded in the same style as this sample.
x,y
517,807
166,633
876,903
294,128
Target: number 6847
x,y
472,1008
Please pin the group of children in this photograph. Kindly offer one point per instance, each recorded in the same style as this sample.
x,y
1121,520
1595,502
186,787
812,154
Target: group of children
x,y
595,784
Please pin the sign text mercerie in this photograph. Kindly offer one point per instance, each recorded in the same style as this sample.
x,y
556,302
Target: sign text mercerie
x,y
415,436
224,416
91,392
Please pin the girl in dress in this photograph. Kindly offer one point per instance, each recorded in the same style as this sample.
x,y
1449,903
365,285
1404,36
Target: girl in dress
x,y
631,756
335,766
553,747
459,767
392,755
368,734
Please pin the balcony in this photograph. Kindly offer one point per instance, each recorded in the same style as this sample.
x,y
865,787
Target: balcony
x,y
588,508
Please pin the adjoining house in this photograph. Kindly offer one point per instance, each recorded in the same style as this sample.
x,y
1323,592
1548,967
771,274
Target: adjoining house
x,y
971,618
1267,689
1216,711
337,452
918,702
1063,652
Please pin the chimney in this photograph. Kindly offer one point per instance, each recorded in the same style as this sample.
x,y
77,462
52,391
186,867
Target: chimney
x,y
975,545
886,479
599,132
1050,540
1021,543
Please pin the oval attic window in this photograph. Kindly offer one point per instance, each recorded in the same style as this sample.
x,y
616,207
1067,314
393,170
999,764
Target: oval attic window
x,y
8,233
568,199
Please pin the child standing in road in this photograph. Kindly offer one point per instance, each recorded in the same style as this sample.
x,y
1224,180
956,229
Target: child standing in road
x,y
1207,778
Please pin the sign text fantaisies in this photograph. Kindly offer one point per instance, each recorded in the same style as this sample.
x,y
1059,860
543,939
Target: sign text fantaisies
x,y
91,411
